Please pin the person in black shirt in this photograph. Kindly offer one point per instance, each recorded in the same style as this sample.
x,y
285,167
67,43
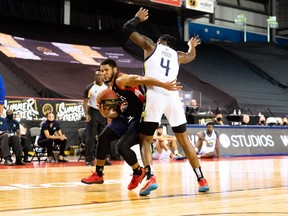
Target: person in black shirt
x,y
50,133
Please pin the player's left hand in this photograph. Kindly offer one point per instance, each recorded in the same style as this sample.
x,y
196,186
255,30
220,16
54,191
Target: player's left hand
x,y
172,86
194,41
107,111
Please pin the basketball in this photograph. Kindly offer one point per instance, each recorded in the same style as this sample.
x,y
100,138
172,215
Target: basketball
x,y
107,96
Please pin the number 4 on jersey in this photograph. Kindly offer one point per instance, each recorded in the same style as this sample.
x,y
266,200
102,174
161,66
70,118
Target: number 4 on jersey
x,y
165,66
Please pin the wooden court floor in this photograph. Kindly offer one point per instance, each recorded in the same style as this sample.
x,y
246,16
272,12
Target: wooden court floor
x,y
238,186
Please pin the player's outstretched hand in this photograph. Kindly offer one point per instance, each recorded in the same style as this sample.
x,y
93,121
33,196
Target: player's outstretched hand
x,y
143,14
172,86
194,41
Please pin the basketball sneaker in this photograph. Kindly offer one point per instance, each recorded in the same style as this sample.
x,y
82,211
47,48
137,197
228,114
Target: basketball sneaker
x,y
136,179
93,179
149,186
173,156
203,185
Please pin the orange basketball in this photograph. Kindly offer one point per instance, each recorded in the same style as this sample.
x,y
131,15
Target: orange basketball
x,y
107,95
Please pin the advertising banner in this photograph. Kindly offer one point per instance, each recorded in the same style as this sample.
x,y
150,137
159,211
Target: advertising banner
x,y
36,108
201,5
246,141
16,47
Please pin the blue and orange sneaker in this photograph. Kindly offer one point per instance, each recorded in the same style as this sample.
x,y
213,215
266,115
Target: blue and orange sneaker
x,y
93,179
203,185
149,186
136,179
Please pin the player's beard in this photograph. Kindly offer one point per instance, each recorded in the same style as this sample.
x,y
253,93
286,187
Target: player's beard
x,y
110,78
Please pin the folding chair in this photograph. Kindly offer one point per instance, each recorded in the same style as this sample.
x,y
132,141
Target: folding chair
x,y
39,152
82,142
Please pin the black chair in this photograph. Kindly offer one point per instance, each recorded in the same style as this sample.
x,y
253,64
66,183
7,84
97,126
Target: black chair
x,y
39,152
81,138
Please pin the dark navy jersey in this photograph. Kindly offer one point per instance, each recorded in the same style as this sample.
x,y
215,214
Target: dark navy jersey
x,y
133,96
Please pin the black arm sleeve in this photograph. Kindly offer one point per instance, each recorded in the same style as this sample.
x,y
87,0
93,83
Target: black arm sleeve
x,y
130,26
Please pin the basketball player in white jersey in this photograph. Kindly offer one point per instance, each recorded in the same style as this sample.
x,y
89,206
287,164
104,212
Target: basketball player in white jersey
x,y
162,62
207,145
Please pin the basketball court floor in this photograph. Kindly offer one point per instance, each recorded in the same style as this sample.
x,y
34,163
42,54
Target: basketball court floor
x,y
238,186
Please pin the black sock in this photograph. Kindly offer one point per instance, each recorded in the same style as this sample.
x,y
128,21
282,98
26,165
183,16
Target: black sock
x,y
198,173
149,171
137,171
99,170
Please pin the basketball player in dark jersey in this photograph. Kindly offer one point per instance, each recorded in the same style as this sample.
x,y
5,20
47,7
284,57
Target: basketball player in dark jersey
x,y
124,125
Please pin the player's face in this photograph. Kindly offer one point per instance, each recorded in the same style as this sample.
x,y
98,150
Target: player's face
x,y
107,72
210,128
99,77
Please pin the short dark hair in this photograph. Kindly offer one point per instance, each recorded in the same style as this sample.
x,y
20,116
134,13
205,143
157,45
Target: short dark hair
x,y
210,123
171,40
109,62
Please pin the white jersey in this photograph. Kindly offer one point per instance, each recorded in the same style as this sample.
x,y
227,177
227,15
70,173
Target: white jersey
x,y
92,92
162,65
209,146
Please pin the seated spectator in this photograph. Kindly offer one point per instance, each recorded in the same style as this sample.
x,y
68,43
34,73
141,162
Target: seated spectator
x,y
14,138
279,121
162,145
245,119
4,140
271,121
262,120
218,119
285,122
193,108
26,145
50,133
207,145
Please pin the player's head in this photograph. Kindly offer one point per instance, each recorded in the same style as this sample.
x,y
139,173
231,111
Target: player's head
x,y
108,68
210,127
167,40
98,77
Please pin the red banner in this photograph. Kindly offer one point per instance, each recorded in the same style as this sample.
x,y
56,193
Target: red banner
x,y
169,2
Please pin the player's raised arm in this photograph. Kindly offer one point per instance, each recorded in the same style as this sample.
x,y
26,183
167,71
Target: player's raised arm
x,y
190,55
129,28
